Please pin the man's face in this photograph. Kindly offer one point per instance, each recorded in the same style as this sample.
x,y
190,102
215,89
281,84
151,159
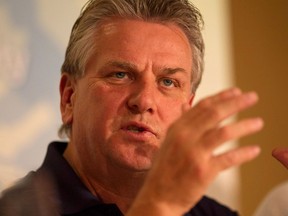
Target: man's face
x,y
134,87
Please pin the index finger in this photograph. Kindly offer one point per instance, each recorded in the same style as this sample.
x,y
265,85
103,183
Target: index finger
x,y
209,112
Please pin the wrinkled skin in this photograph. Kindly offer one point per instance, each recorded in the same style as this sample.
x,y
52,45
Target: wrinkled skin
x,y
193,165
135,139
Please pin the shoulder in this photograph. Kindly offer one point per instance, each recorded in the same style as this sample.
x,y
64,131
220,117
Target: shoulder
x,y
26,197
210,207
21,186
14,199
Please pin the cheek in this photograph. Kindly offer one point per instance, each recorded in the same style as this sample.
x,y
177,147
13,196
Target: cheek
x,y
104,105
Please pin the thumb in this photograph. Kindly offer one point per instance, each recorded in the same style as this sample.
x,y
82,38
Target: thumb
x,y
281,154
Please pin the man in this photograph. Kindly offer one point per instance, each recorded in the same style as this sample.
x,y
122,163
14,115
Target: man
x,y
135,147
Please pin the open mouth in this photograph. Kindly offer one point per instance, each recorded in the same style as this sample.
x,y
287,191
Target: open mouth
x,y
136,129
139,129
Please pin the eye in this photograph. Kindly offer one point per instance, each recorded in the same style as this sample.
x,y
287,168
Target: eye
x,y
120,75
166,82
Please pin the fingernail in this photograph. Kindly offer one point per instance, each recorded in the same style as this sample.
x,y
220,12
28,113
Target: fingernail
x,y
256,150
252,96
258,122
236,91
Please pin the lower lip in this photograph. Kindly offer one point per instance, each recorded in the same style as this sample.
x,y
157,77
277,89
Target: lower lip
x,y
138,136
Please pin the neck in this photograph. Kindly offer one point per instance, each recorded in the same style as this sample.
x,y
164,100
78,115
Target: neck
x,y
118,189
114,185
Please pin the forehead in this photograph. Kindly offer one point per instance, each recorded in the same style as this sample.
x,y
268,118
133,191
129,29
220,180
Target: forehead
x,y
112,25
141,41
131,27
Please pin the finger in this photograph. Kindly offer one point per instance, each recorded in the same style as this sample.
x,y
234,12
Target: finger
x,y
236,130
224,108
281,154
206,115
224,95
235,157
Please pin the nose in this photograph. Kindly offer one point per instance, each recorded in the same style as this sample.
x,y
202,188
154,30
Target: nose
x,y
143,98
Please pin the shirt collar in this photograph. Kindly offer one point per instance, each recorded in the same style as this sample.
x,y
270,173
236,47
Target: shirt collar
x,y
73,194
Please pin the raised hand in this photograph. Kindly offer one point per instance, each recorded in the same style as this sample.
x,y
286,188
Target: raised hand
x,y
186,163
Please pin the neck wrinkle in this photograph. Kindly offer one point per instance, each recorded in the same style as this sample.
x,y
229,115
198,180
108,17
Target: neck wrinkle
x,y
120,186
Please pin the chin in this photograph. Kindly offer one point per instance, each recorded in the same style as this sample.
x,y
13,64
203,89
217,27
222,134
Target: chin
x,y
138,161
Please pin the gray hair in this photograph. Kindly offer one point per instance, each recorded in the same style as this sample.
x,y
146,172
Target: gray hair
x,y
180,12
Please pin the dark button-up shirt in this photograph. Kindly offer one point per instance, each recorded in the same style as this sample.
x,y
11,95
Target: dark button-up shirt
x,y
55,189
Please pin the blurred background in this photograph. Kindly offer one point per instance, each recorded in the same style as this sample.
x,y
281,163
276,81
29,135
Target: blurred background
x,y
246,46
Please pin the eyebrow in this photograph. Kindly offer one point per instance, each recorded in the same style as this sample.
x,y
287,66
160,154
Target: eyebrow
x,y
132,67
173,70
123,65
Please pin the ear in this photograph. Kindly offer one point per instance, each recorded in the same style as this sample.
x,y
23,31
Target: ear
x,y
191,99
67,93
